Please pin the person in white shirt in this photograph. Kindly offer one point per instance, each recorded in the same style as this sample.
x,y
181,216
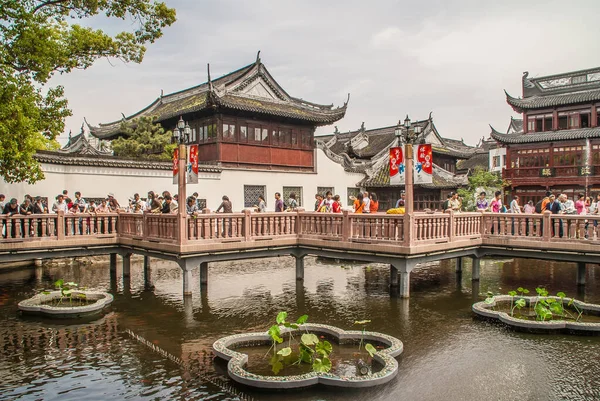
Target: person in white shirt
x,y
367,202
514,205
60,204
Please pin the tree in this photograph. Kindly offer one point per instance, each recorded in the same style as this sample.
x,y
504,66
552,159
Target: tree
x,y
40,38
480,180
144,140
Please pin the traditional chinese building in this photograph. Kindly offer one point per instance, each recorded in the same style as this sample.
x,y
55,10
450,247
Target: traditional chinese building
x,y
367,151
244,119
558,147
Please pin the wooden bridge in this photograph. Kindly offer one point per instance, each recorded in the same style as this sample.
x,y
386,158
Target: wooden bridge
x,y
402,241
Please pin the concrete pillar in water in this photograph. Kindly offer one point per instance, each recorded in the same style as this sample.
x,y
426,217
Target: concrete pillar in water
x,y
580,273
404,284
393,276
204,273
148,284
187,282
476,268
126,265
459,265
299,267
113,262
37,262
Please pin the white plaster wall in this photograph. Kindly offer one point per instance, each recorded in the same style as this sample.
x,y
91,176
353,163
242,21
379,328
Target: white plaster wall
x,y
99,181
497,152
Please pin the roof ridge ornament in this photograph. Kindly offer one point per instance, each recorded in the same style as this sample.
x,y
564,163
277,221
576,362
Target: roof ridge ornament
x,y
258,58
526,81
210,84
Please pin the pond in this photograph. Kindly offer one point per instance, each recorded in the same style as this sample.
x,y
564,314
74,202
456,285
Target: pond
x,y
153,345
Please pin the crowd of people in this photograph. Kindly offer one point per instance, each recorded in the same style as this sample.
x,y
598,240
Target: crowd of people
x,y
324,203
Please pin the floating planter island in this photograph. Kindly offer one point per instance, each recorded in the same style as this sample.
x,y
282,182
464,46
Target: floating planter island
x,y
382,368
556,314
53,304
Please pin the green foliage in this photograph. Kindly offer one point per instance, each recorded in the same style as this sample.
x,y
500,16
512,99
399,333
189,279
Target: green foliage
x,y
66,290
322,365
39,38
370,349
545,308
144,140
480,180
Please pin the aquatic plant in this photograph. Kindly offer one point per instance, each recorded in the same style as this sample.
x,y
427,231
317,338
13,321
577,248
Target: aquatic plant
x,y
368,347
545,307
66,291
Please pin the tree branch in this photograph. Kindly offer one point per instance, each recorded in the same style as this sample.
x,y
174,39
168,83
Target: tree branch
x,y
47,3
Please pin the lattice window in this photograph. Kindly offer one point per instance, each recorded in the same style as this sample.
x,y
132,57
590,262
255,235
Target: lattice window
x,y
286,194
352,192
251,194
323,190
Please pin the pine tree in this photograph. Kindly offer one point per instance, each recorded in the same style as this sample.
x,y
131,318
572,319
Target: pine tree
x,y
144,139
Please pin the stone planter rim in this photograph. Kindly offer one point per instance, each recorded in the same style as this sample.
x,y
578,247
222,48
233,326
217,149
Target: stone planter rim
x,y
34,304
483,309
238,360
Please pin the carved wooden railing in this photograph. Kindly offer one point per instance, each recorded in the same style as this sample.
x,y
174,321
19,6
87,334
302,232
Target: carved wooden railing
x,y
160,227
32,227
431,228
466,225
216,227
272,224
89,224
320,225
376,227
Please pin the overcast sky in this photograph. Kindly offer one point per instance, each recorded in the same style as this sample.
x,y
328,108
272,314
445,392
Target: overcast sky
x,y
451,57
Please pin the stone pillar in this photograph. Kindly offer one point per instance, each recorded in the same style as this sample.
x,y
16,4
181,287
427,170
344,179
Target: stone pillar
x,y
475,290
459,265
188,309
580,273
204,273
126,265
299,267
187,282
476,267
404,284
113,262
393,276
148,284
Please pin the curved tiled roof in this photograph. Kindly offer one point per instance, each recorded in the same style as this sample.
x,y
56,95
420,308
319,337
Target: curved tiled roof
x,y
562,135
226,93
112,161
537,102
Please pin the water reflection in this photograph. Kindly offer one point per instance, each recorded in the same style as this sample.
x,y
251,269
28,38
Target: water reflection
x,y
447,354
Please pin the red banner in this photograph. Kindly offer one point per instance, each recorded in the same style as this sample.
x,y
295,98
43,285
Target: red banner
x,y
396,166
192,173
423,164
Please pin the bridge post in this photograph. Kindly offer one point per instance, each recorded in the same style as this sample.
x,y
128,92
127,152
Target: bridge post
x,y
148,284
404,284
113,262
475,268
404,267
459,265
60,225
346,227
247,225
203,273
299,268
186,267
126,264
546,225
393,276
580,273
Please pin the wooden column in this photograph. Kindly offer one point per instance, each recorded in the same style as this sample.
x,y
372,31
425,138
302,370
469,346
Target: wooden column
x,y
594,116
555,120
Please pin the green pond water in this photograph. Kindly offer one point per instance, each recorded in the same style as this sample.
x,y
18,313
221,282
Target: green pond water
x,y
154,345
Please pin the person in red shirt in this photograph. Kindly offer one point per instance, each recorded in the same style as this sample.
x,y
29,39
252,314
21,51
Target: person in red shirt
x,y
337,205
374,204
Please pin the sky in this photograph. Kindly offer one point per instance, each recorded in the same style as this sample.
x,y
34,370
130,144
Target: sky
x,y
454,58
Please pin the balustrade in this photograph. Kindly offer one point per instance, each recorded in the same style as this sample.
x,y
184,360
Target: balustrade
x,y
216,226
431,227
30,227
314,224
377,227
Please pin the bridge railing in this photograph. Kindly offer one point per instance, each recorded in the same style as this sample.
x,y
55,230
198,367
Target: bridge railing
x,y
430,228
32,227
376,227
513,225
320,225
467,225
573,228
89,224
160,227
215,227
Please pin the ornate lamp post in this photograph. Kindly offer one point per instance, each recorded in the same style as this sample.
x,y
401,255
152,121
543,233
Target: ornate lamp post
x,y
409,137
181,135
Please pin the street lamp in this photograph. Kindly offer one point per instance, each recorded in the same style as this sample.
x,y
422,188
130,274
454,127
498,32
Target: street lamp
x,y
181,136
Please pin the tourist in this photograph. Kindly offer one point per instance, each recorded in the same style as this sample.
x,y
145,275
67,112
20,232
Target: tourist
x,y
60,204
191,208
546,202
2,201
262,205
580,205
514,205
39,207
552,205
292,202
103,207
225,205
113,205
153,205
482,203
10,209
529,208
569,206
278,203
26,208
496,205
66,197
367,201
167,208
328,203
92,207
80,202
374,204
138,201
337,204
402,201
455,202
446,206
318,202
359,204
